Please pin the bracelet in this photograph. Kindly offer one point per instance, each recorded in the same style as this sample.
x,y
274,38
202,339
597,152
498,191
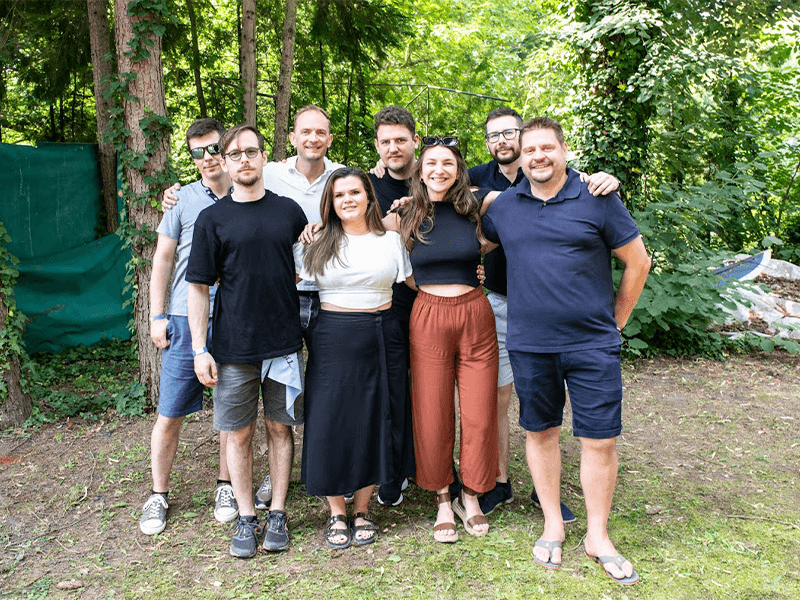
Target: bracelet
x,y
199,351
158,317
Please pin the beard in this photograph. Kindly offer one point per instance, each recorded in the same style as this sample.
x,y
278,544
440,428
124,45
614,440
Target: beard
x,y
542,177
246,179
506,160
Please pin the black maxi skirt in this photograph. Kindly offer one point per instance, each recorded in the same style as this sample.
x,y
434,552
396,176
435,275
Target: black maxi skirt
x,y
358,429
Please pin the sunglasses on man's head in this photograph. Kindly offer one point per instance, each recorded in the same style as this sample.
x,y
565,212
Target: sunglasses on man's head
x,y
200,151
434,140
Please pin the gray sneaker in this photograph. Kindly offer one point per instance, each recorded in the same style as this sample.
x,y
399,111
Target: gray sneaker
x,y
154,515
225,507
276,536
264,494
244,542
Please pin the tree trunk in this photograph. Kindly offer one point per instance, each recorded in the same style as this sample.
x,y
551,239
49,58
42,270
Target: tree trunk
x,y
283,98
99,38
201,99
144,91
247,49
17,406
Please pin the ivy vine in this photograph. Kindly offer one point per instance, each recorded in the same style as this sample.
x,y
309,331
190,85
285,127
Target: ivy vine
x,y
11,345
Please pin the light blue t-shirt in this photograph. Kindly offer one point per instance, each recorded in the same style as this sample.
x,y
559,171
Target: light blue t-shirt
x,y
178,224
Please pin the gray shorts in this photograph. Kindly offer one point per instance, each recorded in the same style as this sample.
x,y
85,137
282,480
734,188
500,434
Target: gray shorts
x,y
236,398
500,309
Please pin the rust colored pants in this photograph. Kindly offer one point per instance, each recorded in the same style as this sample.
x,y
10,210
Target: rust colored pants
x,y
454,339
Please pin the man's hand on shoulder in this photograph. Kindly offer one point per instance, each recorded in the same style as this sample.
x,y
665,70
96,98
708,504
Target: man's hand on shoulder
x,y
600,183
170,198
379,169
310,232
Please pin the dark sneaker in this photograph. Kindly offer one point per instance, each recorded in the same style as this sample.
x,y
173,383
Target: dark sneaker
x,y
264,494
154,515
566,514
499,494
244,543
276,536
225,507
391,494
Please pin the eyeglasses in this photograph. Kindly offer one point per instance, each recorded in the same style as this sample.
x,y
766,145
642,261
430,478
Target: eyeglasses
x,y
509,134
236,155
200,151
434,140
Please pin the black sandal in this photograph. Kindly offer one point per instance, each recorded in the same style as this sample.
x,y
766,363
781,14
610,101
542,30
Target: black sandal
x,y
331,533
369,526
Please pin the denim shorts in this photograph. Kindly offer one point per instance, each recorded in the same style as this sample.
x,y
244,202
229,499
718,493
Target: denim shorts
x,y
236,397
181,393
594,378
499,305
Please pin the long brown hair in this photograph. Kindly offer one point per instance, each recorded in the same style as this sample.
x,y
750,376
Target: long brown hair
x,y
420,210
330,240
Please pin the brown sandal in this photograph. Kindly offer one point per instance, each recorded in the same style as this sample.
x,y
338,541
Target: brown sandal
x,y
469,524
449,527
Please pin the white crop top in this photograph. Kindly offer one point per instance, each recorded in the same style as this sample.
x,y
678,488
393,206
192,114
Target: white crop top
x,y
372,263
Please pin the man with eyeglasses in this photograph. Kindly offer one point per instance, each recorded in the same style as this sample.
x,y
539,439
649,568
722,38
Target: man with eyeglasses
x,y
502,128
180,391
245,241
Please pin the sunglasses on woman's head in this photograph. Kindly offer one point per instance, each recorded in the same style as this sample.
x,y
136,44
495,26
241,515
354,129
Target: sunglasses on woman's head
x,y
434,140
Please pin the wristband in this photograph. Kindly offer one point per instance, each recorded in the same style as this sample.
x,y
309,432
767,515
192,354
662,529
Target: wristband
x,y
158,317
199,351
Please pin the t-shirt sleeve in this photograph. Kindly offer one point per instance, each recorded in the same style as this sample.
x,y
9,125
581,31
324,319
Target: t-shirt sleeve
x,y
403,260
170,225
619,227
489,229
299,252
300,220
202,267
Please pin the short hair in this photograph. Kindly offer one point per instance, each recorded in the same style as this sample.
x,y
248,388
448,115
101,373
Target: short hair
x,y
395,115
503,111
235,132
203,127
309,108
543,123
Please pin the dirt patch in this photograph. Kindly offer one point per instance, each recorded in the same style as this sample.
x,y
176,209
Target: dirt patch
x,y
720,433
782,287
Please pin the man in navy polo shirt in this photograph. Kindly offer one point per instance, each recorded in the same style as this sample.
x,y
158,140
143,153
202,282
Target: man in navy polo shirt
x,y
502,128
564,326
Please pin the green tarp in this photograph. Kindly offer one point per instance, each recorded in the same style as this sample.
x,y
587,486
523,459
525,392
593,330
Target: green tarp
x,y
70,283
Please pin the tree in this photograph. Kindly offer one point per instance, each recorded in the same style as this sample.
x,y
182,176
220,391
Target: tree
x,y
284,94
143,142
198,84
248,60
99,37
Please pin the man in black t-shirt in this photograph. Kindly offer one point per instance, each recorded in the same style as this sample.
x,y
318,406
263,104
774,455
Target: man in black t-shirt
x,y
245,241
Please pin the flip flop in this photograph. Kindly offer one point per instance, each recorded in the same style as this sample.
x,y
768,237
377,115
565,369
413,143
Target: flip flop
x,y
549,546
617,560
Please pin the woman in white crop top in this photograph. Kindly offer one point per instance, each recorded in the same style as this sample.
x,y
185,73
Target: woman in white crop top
x,y
357,426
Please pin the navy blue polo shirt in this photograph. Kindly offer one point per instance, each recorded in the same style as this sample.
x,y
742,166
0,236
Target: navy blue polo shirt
x,y
489,176
562,294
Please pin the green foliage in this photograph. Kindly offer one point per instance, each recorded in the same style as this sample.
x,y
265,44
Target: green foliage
x,y
86,382
11,345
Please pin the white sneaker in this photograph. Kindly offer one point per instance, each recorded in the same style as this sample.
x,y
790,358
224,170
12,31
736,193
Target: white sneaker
x,y
225,507
264,494
154,515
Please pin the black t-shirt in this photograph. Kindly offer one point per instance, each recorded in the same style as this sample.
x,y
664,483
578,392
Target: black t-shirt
x,y
452,252
388,189
248,245
489,176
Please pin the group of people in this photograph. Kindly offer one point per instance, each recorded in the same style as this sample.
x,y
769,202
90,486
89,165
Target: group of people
x,y
383,288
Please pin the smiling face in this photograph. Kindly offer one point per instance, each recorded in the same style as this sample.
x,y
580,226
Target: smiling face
x,y
246,171
210,166
439,171
503,151
350,200
312,135
544,158
396,145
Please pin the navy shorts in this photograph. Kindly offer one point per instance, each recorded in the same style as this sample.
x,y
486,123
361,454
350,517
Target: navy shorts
x,y
181,393
594,379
